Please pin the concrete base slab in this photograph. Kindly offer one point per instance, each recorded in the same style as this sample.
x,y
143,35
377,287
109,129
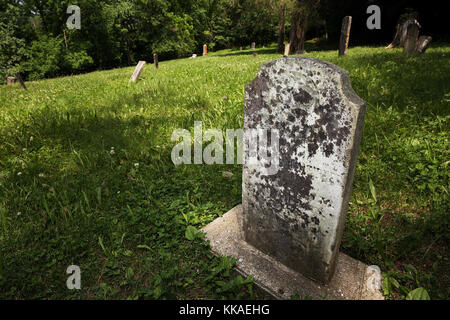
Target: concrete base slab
x,y
353,280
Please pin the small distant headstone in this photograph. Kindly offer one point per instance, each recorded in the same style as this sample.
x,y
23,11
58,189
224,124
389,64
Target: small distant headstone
x,y
253,45
240,48
155,60
205,50
412,35
19,78
296,213
137,71
345,35
423,43
287,49
10,80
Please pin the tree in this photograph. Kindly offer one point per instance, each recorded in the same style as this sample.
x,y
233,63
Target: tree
x,y
303,10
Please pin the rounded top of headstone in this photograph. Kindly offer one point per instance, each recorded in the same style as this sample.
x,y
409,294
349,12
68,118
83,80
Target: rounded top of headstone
x,y
319,74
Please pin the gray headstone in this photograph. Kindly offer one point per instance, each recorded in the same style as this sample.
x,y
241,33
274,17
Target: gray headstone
x,y
253,45
287,49
297,213
423,43
10,80
412,35
137,71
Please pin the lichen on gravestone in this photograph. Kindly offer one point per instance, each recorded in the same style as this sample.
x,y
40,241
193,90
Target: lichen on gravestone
x,y
296,214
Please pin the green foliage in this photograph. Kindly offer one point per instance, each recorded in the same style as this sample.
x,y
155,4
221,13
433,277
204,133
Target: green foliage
x,y
418,294
11,45
192,233
44,58
177,39
86,177
78,61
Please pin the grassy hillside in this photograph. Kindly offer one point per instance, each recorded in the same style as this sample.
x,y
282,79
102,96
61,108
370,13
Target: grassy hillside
x,y
86,177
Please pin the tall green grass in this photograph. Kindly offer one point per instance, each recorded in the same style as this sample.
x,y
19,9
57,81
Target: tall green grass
x,y
86,177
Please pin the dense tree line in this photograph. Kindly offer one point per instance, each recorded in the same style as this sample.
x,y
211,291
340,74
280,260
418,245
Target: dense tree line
x,y
35,40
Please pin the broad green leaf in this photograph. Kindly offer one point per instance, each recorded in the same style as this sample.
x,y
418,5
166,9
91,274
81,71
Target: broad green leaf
x,y
191,233
372,190
418,294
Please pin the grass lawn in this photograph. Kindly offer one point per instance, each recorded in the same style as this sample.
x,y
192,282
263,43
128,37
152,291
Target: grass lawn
x,y
86,177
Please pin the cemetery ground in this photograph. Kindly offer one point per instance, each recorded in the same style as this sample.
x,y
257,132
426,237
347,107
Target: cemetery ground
x,y
86,177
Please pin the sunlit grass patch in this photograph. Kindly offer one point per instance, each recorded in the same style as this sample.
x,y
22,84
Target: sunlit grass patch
x,y
86,176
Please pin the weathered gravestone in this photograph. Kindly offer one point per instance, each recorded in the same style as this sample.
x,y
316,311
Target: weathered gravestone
x,y
412,35
423,43
253,46
290,224
137,71
10,80
298,214
287,233
287,49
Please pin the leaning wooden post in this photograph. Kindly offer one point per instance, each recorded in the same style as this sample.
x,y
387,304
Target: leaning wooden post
x,y
205,50
19,78
155,59
345,35
412,35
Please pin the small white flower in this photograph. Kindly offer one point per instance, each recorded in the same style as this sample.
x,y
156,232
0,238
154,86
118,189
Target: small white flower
x,y
118,192
24,149
41,175
112,152
31,138
158,147
19,173
19,213
136,165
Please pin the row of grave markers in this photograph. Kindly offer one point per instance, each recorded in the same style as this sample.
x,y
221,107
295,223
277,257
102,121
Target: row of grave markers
x,y
140,66
407,36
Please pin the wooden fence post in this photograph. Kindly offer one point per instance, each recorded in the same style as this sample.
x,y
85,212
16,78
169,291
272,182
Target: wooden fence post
x,y
155,59
19,78
345,35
